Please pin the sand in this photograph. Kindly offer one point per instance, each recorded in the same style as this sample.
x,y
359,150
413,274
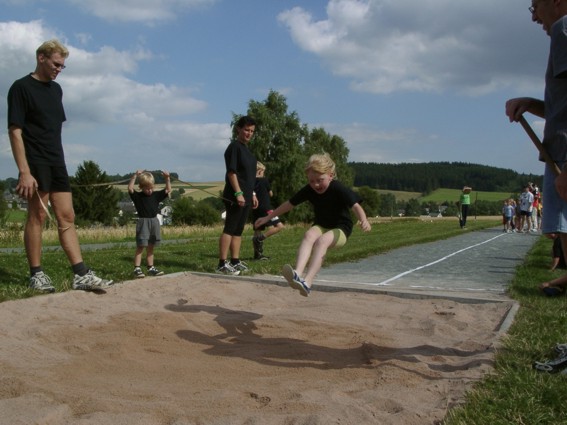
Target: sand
x,y
194,349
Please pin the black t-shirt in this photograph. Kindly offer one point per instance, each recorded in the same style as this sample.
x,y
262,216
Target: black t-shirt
x,y
37,108
147,206
332,208
262,189
241,161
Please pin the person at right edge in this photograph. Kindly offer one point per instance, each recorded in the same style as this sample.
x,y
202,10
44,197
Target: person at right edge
x,y
552,16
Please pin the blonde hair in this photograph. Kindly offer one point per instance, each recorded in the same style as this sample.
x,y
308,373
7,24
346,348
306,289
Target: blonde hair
x,y
321,164
260,166
146,179
52,46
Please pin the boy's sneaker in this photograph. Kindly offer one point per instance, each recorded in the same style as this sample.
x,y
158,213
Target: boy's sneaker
x,y
561,349
241,266
226,268
258,246
41,282
552,366
138,273
90,282
295,281
152,271
261,257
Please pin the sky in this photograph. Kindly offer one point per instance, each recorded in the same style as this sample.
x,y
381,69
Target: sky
x,y
153,84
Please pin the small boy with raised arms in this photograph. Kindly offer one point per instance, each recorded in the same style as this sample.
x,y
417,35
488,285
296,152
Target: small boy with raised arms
x,y
148,231
263,192
332,203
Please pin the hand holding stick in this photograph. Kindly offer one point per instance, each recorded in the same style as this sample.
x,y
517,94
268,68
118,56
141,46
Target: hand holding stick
x,y
539,146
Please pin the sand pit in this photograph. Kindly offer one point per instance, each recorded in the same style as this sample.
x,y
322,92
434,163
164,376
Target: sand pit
x,y
188,349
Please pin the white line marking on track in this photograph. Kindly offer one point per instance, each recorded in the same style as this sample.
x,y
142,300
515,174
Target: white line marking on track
x,y
387,281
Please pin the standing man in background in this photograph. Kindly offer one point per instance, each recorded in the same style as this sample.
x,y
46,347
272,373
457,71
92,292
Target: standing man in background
x,y
35,121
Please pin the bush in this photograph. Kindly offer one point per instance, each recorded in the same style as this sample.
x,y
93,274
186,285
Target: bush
x,y
187,211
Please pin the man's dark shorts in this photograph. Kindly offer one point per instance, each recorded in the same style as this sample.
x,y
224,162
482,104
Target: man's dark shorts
x,y
236,218
51,179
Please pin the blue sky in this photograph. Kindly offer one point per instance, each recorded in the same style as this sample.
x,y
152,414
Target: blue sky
x,y
153,83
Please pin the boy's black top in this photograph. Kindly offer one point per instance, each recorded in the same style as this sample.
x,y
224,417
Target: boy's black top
x,y
147,206
262,189
332,208
241,161
37,108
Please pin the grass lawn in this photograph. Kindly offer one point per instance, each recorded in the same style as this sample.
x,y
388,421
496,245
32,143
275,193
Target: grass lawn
x,y
515,393
442,195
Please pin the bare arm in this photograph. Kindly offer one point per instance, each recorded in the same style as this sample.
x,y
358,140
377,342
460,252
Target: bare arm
x,y
27,184
361,215
519,105
167,182
133,180
282,209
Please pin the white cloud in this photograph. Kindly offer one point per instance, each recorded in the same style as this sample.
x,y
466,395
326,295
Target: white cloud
x,y
112,119
385,46
147,11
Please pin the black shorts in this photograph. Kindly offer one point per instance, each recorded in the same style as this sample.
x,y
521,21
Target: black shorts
x,y
50,178
257,213
236,218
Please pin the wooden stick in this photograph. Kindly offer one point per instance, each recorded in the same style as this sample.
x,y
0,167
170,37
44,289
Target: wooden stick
x,y
539,146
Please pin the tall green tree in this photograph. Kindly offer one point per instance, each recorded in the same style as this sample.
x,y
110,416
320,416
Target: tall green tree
x,y
93,201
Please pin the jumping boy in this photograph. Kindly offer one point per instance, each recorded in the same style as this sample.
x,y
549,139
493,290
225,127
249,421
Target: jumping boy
x,y
332,203
148,231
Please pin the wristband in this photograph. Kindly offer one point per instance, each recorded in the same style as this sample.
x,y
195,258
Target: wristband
x,y
238,193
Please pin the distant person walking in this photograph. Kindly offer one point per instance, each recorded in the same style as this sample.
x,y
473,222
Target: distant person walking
x,y
508,212
35,122
526,209
148,228
464,204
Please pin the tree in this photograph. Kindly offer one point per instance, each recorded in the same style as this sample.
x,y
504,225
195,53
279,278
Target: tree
x,y
190,212
371,200
93,201
388,207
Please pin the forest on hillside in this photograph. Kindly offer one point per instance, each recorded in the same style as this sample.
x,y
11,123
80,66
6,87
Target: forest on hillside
x,y
429,176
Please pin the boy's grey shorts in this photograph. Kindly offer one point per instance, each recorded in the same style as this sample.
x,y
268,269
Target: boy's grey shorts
x,y
148,232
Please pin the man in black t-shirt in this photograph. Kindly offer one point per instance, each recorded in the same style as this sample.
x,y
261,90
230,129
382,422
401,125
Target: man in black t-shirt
x,y
35,120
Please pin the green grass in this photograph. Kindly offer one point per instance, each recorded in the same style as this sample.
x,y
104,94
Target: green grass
x,y
197,250
442,195
515,393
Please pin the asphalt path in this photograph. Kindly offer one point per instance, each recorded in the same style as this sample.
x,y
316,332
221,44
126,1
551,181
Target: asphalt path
x,y
479,264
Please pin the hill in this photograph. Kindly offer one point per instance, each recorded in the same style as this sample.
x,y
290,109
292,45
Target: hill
x,y
427,177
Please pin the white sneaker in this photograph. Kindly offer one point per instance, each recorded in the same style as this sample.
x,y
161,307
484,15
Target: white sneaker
x,y
41,282
90,281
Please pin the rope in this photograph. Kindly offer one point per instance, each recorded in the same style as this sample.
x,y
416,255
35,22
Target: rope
x,y
117,183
